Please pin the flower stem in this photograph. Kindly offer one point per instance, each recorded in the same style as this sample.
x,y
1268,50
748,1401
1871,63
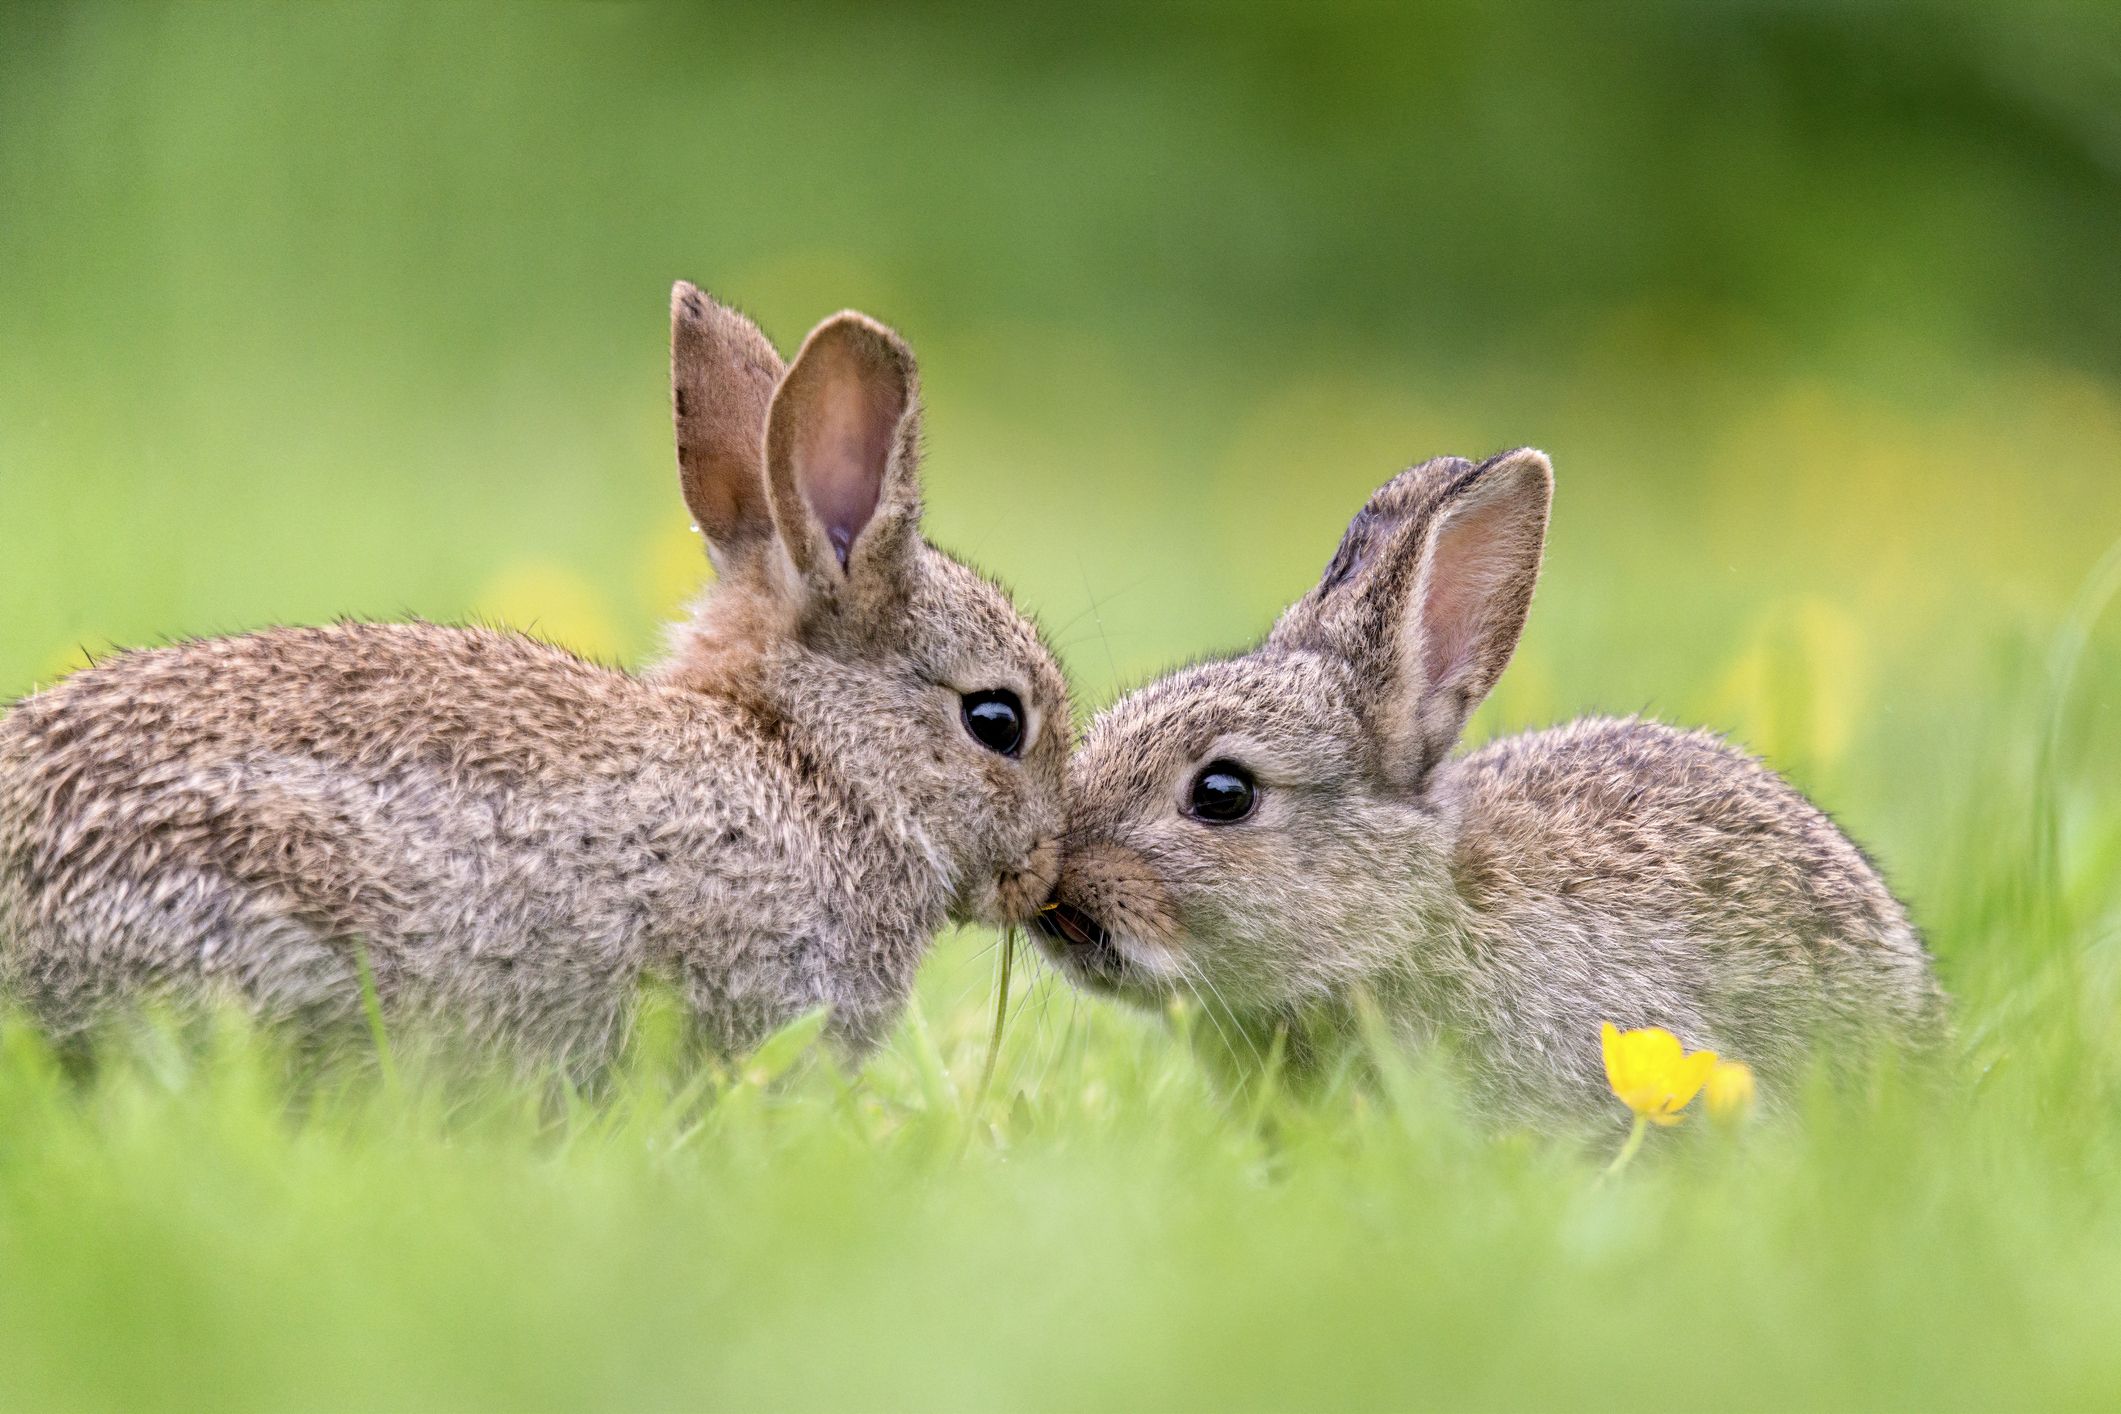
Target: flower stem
x,y
1627,1150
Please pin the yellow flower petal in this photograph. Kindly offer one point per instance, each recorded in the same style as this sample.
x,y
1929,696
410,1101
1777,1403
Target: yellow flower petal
x,y
1689,1075
1654,1050
1615,1067
1651,1072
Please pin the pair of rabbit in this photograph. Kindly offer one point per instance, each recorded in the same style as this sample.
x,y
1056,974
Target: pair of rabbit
x,y
854,739
1285,833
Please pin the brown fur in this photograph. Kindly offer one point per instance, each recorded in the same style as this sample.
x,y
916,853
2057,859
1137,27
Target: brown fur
x,y
777,817
1510,900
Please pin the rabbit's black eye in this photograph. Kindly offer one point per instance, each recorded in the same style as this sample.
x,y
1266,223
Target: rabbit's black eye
x,y
1222,793
995,719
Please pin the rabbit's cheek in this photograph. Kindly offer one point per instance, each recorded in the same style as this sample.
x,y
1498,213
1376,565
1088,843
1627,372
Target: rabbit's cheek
x,y
1123,891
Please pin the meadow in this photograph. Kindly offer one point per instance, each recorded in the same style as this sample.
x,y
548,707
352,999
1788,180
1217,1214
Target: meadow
x,y
334,311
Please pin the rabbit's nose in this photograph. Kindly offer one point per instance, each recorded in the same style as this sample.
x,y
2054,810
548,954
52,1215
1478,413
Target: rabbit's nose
x,y
1022,889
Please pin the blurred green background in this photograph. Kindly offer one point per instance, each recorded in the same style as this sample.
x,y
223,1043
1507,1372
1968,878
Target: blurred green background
x,y
317,310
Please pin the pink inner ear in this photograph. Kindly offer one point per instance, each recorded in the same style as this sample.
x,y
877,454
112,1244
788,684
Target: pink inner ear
x,y
1481,554
843,448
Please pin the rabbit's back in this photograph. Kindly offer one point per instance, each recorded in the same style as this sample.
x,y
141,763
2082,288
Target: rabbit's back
x,y
506,833
1627,871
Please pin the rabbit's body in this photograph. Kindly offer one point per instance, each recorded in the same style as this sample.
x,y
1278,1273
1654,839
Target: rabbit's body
x,y
1284,833
1626,870
247,813
778,818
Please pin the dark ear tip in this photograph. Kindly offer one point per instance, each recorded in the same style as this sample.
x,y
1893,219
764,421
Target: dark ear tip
x,y
688,303
1528,463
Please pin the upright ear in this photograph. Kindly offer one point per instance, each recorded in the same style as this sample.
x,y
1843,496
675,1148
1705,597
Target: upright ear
x,y
841,450
1480,560
722,375
1427,596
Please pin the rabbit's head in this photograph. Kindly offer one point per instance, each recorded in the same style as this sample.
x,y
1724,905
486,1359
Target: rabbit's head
x,y
928,698
1261,830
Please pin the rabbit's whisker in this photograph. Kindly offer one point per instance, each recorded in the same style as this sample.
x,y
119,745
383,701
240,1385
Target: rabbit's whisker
x,y
1197,978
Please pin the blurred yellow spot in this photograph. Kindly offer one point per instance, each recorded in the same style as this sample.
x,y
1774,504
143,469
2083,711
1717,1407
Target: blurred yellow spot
x,y
1798,688
673,567
62,664
1652,1073
552,603
1874,494
1729,1092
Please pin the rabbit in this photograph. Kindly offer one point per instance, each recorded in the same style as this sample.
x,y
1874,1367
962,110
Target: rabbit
x,y
853,739
1284,833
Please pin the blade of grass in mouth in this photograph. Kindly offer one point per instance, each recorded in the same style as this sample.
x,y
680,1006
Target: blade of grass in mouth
x,y
1001,1018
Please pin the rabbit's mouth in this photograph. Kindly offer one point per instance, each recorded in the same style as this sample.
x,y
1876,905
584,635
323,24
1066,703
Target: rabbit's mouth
x,y
1083,944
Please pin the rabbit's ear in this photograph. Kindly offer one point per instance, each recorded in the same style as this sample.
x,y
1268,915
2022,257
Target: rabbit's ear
x,y
1480,559
841,447
1427,596
722,375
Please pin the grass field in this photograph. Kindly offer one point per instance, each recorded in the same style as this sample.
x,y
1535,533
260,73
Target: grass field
x,y
332,311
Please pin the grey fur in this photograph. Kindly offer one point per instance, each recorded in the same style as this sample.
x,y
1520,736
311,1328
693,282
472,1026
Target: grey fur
x,y
777,817
1510,900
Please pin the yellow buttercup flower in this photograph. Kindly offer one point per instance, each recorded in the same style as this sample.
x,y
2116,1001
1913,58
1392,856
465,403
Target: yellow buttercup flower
x,y
1652,1073
1729,1091
1655,1077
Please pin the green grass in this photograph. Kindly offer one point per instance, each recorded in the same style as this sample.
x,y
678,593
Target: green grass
x,y
321,310
190,1231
